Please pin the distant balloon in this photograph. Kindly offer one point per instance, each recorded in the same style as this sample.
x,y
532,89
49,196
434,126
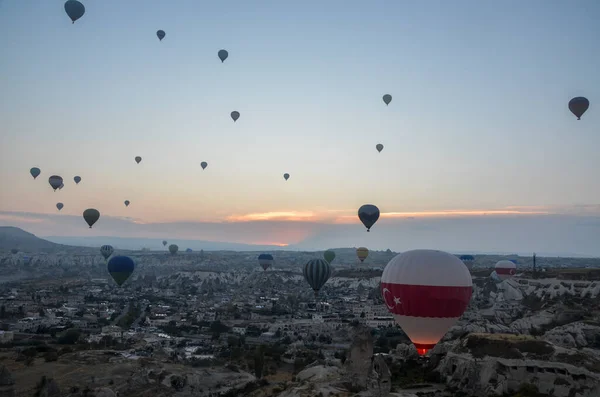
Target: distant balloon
x,y
173,248
106,251
59,206
506,269
204,164
164,243
362,253
35,172
329,256
188,250
223,54
578,106
120,268
55,181
14,250
138,159
265,260
74,9
160,34
77,179
316,272
379,147
368,215
235,115
126,203
286,176
387,98
468,260
426,291
91,216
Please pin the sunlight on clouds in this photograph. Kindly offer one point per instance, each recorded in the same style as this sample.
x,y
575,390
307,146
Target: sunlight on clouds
x,y
274,216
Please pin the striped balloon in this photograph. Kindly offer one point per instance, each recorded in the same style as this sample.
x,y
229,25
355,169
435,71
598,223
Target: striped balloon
x,y
317,272
362,253
505,269
426,291
106,251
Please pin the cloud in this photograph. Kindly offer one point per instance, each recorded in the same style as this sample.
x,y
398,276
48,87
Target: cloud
x,y
279,216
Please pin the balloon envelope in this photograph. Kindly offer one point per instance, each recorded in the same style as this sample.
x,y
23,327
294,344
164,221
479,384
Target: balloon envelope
x,y
59,206
368,215
578,106
55,181
223,54
91,216
188,250
265,260
505,269
14,250
106,251
426,291
126,203
329,256
379,147
235,115
173,248
35,172
204,164
77,179
362,253
286,176
316,272
120,268
74,9
165,243
160,34
387,98
138,159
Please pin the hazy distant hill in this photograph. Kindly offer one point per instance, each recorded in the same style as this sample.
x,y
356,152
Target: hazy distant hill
x,y
131,243
13,237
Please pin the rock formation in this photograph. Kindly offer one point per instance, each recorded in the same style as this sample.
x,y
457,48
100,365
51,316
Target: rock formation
x,y
7,383
358,364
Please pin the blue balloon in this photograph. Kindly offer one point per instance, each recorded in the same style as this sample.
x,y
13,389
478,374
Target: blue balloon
x,y
74,9
120,268
265,260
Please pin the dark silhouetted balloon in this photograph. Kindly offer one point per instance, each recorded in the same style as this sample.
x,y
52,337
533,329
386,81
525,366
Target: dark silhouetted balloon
x,y
265,260
316,272
160,34
91,216
368,215
55,181
77,179
120,268
204,164
223,54
379,147
286,176
126,203
14,250
188,250
329,256
578,106
106,251
61,186
164,243
235,115
74,9
138,159
387,98
35,172
59,206
173,248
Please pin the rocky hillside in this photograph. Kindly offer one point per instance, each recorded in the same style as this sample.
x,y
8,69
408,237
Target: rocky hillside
x,y
13,237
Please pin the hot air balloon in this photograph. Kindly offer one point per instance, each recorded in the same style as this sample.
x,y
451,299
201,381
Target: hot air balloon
x,y
223,54
173,248
91,216
35,172
265,260
316,272
188,250
514,261
362,253
61,186
26,260
379,147
387,98
126,203
329,256
235,115
160,34
286,176
77,179
506,269
74,9
468,260
578,106
14,251
164,243
55,181
204,164
59,206
120,268
106,251
138,159
368,215
426,291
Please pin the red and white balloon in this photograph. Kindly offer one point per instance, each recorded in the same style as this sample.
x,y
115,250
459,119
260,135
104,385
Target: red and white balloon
x,y
505,269
426,291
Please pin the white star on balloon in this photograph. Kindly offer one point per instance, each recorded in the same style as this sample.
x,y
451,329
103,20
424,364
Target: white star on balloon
x,y
397,301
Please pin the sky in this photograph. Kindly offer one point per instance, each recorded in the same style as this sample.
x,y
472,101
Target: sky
x,y
478,130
